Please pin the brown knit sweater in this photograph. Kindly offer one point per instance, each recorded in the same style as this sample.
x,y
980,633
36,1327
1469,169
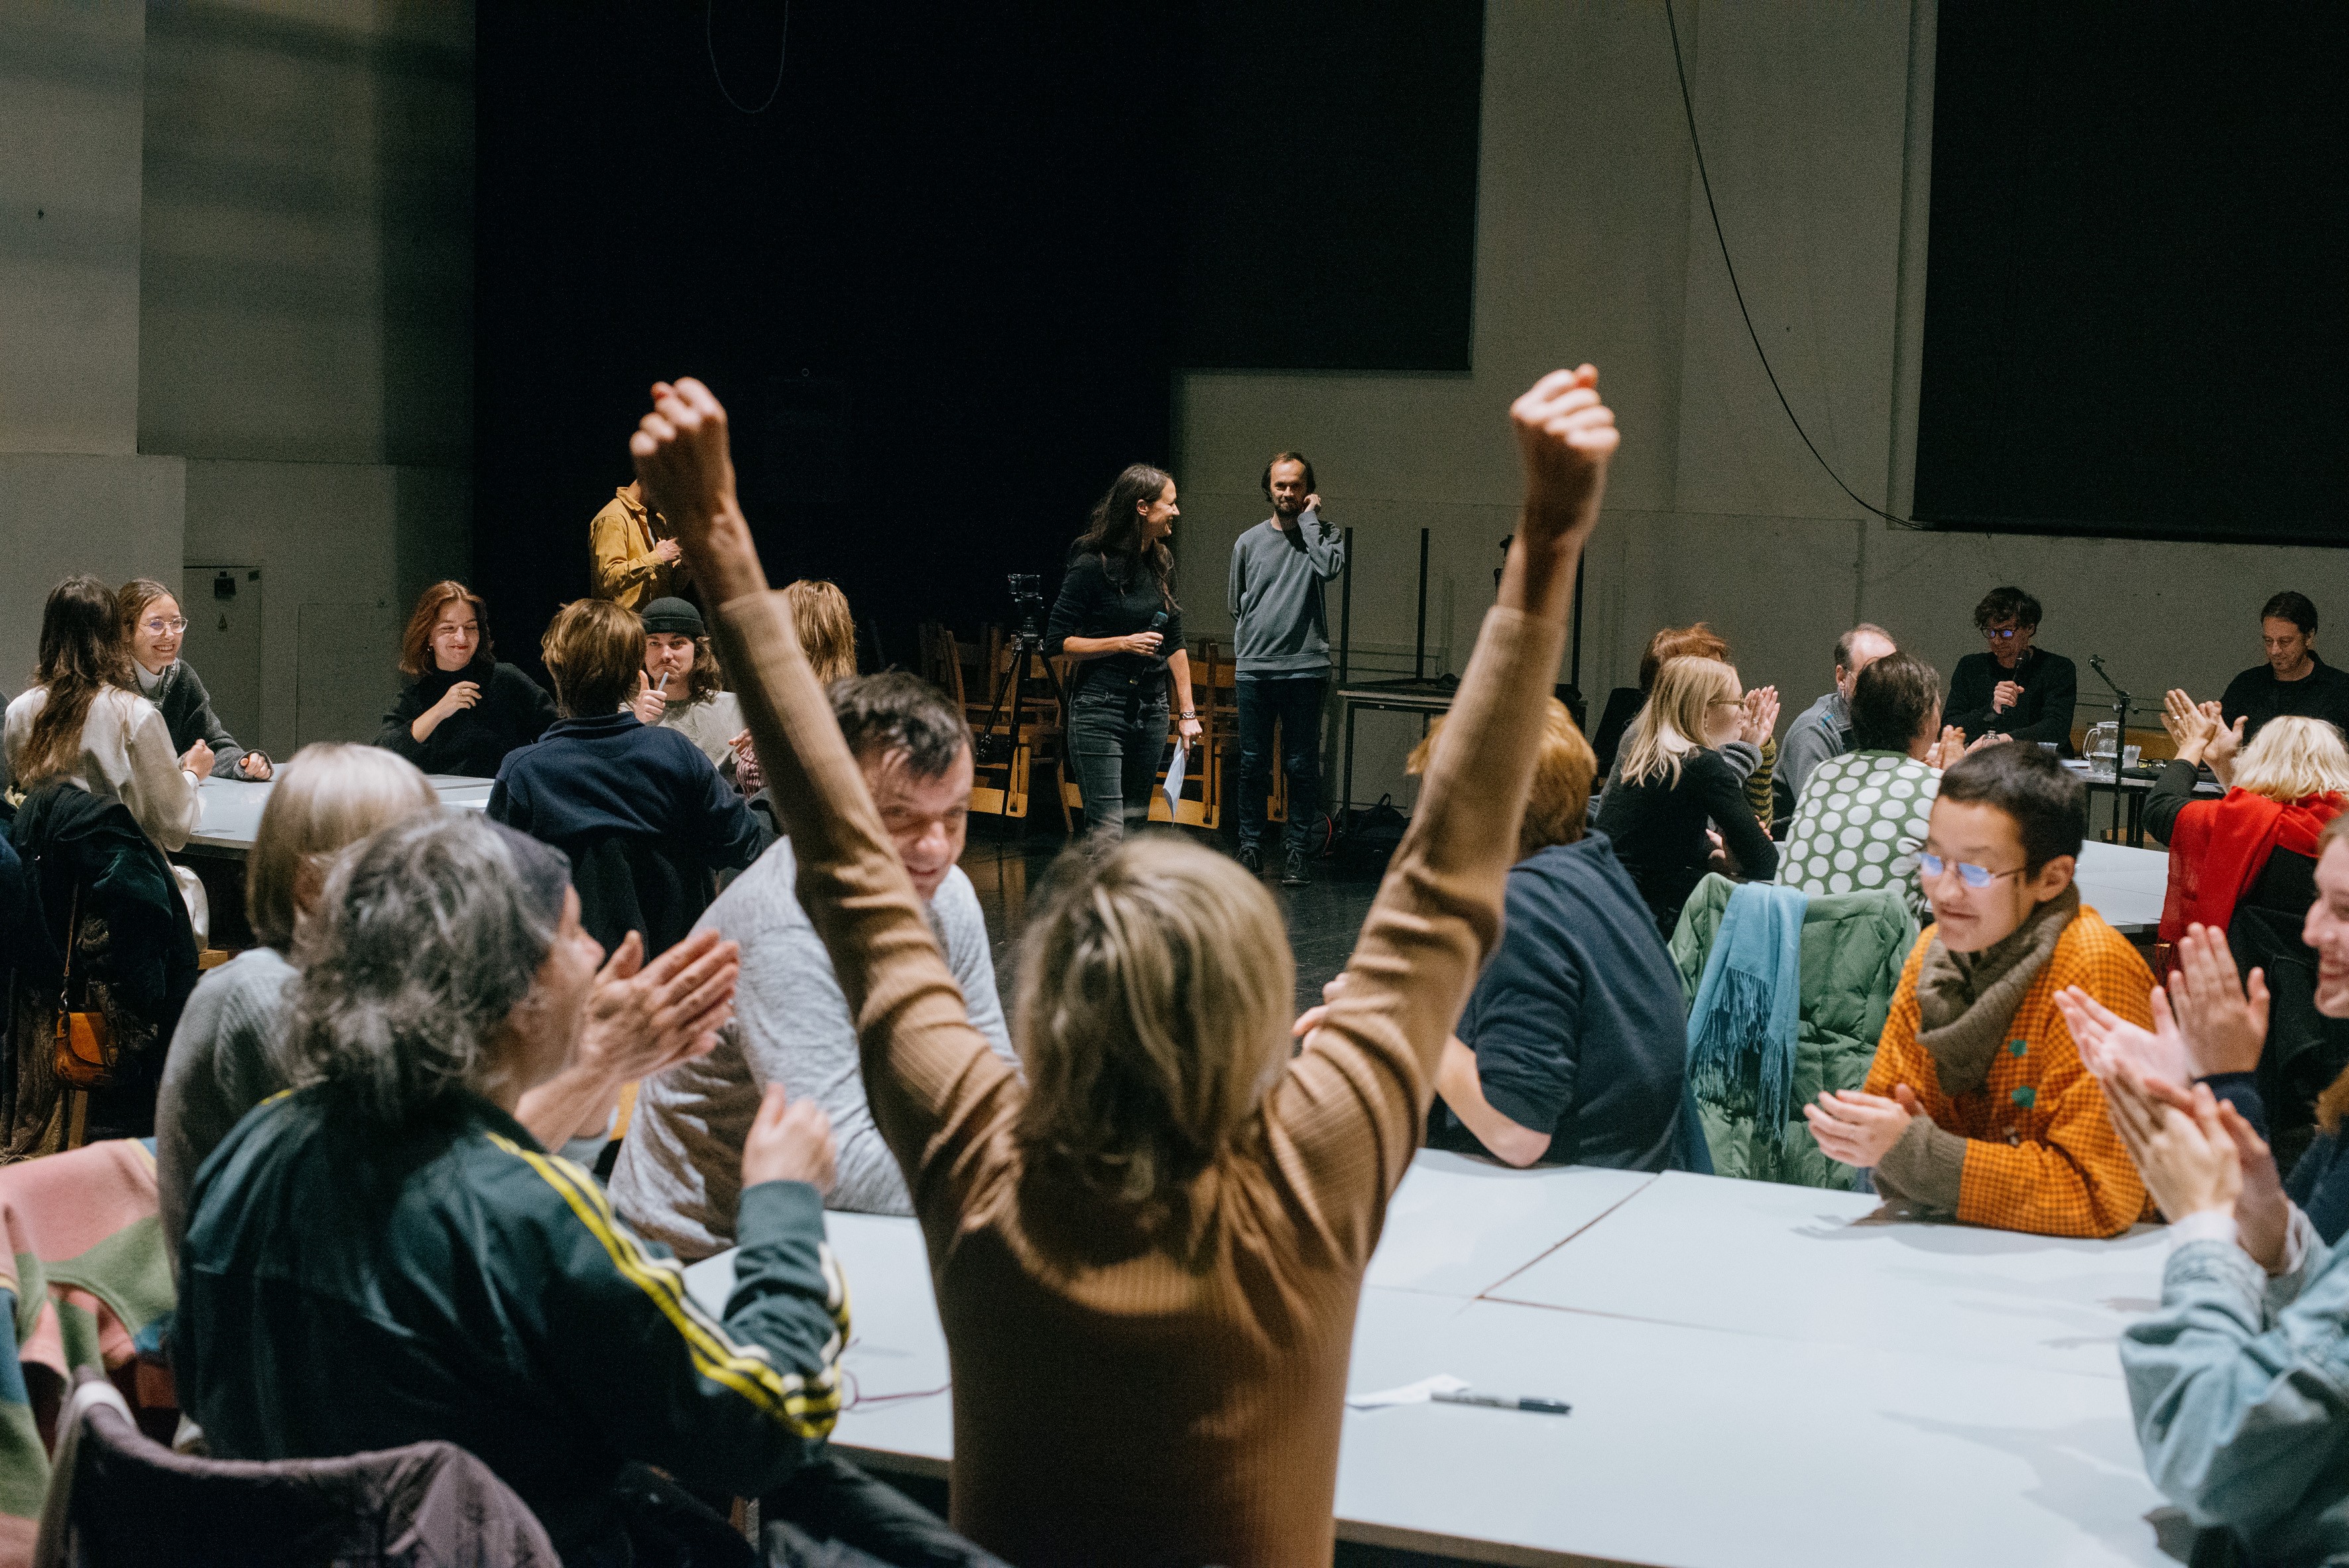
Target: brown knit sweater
x,y
1113,1404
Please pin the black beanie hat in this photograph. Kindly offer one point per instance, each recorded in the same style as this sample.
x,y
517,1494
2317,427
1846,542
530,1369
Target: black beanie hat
x,y
676,617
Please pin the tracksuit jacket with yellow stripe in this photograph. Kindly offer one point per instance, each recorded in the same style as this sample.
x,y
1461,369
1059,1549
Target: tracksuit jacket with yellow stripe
x,y
347,1286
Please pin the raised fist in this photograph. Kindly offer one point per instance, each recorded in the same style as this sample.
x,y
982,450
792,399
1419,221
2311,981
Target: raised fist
x,y
1566,437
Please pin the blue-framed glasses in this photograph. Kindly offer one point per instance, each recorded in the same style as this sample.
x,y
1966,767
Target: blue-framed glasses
x,y
1931,866
2006,635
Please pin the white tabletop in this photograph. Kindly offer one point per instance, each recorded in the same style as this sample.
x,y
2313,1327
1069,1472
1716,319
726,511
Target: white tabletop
x,y
231,809
1759,1376
1703,1448
1796,1263
2123,885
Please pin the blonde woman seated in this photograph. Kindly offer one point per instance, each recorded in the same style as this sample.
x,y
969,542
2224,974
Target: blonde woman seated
x,y
827,633
1675,782
1157,1240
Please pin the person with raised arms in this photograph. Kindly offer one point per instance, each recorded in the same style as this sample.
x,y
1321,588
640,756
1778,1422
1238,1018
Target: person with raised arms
x,y
1159,1237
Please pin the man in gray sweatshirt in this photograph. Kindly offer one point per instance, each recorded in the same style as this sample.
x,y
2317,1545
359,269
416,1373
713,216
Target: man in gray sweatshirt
x,y
678,1178
1280,636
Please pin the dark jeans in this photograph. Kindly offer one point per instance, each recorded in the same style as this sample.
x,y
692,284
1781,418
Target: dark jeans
x,y
1295,703
1117,733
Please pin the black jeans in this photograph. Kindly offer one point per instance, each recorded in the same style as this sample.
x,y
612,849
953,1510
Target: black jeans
x,y
1295,703
1117,733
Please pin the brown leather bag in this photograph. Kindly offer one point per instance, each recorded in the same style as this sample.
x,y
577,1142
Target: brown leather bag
x,y
85,1055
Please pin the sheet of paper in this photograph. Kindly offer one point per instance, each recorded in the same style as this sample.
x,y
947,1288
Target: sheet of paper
x,y
1174,772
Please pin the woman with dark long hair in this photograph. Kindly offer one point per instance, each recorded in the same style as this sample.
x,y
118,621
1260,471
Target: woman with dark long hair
x,y
461,710
84,719
1117,618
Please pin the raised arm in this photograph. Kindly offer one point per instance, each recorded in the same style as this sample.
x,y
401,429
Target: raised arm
x,y
1325,545
1360,1091
934,1086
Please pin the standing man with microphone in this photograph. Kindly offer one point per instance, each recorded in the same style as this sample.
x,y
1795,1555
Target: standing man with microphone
x,y
1281,640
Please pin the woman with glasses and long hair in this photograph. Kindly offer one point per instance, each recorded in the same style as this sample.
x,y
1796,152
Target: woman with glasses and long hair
x,y
1158,1234
154,626
84,719
461,710
1117,618
1675,782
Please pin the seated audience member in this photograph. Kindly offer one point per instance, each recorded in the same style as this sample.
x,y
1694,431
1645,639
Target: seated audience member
x,y
83,719
153,625
1675,781
827,634
1159,1237
1752,762
1572,1047
675,1178
1863,814
386,1256
600,775
2256,844
2014,690
1823,729
682,689
1978,1104
2232,1380
461,710
2293,681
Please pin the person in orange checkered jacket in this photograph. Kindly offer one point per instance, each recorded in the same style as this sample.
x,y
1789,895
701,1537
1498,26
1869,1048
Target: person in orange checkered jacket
x,y
1978,1104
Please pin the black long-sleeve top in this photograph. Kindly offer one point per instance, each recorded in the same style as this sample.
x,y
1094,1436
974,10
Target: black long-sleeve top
x,y
1100,599
513,711
1658,829
2257,696
2051,688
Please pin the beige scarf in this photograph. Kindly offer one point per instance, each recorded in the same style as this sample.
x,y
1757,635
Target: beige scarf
x,y
1966,1000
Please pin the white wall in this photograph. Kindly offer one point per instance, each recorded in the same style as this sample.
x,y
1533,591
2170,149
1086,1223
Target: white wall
x,y
235,296
1593,243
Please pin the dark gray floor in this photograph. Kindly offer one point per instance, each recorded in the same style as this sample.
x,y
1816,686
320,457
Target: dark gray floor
x,y
1323,919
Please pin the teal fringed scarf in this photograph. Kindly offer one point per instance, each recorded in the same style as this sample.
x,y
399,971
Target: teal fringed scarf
x,y
1742,1031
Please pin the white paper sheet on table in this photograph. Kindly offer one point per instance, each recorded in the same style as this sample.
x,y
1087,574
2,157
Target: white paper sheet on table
x,y
1174,772
1419,1393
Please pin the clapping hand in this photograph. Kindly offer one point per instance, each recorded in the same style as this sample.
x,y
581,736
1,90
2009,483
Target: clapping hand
x,y
748,775
2225,1024
2108,1041
1566,437
2183,1145
645,1018
1858,1129
1760,719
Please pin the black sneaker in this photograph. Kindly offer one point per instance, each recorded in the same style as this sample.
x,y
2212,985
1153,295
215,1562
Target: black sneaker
x,y
1252,858
1295,874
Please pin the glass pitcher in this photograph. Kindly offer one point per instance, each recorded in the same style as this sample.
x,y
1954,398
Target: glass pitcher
x,y
2104,745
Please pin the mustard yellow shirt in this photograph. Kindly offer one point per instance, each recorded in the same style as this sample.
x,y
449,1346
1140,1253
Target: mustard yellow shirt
x,y
620,541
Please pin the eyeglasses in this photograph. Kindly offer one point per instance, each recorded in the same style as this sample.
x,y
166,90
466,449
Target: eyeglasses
x,y
171,627
2008,635
1931,866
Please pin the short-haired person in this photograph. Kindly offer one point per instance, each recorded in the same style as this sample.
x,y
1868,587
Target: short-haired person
x,y
2013,688
2293,682
1823,729
1678,792
461,710
1280,650
600,773
1159,1237
154,627
682,689
1573,1047
675,1180
1978,1104
1117,618
633,552
83,719
1865,813
385,1256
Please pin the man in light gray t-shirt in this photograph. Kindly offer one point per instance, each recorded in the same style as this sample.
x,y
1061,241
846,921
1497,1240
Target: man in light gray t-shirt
x,y
678,1178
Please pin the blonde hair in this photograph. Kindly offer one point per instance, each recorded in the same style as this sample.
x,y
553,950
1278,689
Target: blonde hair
x,y
1672,724
1153,1013
330,795
827,631
1559,800
2290,758
595,649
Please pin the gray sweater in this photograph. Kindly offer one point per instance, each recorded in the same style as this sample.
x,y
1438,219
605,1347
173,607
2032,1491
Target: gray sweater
x,y
223,1062
679,1175
1280,625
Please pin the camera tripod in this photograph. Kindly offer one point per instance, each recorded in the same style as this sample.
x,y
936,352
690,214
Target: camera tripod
x,y
991,749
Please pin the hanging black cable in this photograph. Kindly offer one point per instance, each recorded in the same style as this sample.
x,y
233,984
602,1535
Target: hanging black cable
x,y
1688,107
782,51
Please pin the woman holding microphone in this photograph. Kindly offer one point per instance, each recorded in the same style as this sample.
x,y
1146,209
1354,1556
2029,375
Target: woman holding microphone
x,y
1117,618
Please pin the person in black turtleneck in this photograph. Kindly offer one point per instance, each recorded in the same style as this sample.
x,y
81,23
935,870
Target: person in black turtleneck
x,y
2293,681
2013,689
462,711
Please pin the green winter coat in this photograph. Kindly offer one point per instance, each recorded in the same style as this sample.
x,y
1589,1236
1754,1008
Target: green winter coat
x,y
1854,945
